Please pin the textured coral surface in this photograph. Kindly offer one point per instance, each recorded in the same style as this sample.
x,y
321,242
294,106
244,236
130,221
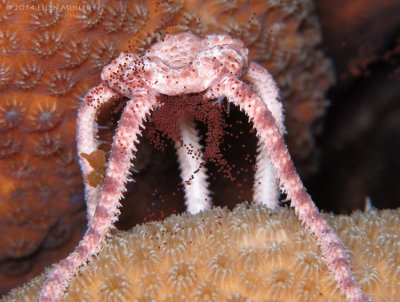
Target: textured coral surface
x,y
248,254
51,52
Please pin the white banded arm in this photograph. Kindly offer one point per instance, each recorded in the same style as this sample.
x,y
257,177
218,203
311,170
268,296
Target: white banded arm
x,y
191,164
86,137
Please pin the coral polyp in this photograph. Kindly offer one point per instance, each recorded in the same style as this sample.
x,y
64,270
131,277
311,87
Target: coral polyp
x,y
12,112
129,264
45,112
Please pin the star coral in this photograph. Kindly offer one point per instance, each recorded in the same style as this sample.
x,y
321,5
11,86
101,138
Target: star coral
x,y
51,54
250,253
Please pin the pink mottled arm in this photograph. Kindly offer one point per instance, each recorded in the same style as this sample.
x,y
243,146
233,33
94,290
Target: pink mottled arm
x,y
265,87
191,164
266,181
333,250
107,209
86,137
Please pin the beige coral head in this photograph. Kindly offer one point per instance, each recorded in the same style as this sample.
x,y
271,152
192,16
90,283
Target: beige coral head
x,y
248,254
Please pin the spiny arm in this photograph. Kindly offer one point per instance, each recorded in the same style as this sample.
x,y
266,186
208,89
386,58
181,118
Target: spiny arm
x,y
266,182
106,212
86,138
332,248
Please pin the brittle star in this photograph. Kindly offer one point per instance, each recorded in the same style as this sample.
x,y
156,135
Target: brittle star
x,y
181,64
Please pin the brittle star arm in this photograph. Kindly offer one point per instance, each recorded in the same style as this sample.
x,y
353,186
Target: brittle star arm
x,y
332,248
107,212
191,164
266,181
86,138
